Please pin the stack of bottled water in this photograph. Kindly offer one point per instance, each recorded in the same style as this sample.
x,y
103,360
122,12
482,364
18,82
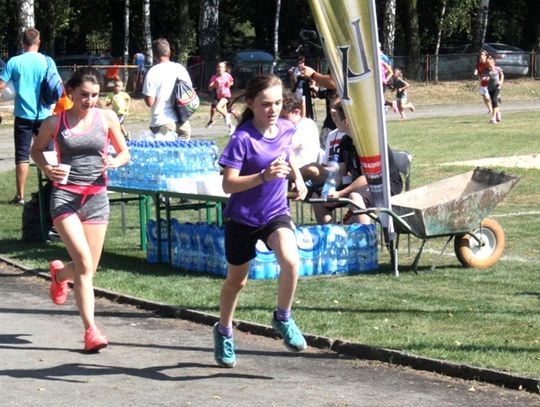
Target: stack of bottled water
x,y
264,266
309,240
335,251
323,250
154,162
152,240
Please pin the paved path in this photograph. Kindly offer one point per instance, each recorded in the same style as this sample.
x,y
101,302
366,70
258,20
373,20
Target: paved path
x,y
169,362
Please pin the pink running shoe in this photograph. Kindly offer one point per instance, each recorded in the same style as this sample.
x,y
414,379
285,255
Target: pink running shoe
x,y
94,340
58,290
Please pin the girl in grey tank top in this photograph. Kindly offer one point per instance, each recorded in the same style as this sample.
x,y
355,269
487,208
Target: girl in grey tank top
x,y
81,135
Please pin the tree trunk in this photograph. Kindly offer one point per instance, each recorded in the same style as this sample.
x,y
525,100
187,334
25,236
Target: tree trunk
x,y
481,25
413,40
276,35
389,27
25,16
126,33
439,38
47,43
537,42
147,33
209,35
185,42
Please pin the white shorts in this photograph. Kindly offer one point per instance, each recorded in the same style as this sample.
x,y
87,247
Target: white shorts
x,y
484,91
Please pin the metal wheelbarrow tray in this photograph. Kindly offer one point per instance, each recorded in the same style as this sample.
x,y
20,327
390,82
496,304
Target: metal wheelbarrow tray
x,y
457,207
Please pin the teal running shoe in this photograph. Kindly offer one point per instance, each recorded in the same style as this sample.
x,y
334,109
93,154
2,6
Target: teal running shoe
x,y
292,336
223,349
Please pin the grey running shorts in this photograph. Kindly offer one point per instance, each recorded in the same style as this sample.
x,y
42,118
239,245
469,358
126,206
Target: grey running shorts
x,y
89,208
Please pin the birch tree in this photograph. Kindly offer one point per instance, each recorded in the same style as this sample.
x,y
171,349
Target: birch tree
x,y
126,32
389,27
276,35
440,25
25,17
147,34
209,34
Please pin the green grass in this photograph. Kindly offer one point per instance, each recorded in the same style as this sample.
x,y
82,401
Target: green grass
x,y
487,318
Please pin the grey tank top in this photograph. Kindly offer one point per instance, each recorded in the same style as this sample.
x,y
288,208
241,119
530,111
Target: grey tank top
x,y
83,150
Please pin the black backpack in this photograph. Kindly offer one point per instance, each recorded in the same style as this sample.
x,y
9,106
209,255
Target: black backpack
x,y
31,227
51,87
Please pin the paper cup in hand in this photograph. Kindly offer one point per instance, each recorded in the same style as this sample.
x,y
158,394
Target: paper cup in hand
x,y
66,168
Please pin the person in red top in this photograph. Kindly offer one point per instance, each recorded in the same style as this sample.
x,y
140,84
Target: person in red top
x,y
481,66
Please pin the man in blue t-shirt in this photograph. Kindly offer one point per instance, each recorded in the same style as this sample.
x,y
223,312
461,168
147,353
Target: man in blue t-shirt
x,y
26,72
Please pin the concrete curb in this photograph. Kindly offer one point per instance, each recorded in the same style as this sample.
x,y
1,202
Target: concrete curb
x,y
352,349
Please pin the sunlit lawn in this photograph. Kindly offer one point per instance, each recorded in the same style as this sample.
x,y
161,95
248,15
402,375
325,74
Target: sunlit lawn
x,y
488,318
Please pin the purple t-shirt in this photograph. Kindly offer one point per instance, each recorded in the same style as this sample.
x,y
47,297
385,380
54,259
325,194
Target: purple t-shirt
x,y
250,152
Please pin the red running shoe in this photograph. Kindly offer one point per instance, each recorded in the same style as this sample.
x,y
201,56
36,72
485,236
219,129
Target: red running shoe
x,y
58,290
94,340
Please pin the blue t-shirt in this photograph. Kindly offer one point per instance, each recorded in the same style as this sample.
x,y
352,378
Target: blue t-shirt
x,y
250,152
26,71
139,60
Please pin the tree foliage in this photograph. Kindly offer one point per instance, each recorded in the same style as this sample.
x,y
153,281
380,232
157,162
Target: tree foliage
x,y
77,26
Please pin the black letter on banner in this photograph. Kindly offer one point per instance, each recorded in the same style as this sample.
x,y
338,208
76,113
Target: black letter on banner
x,y
348,74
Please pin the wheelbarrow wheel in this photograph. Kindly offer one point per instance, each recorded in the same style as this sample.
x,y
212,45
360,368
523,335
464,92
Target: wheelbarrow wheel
x,y
471,253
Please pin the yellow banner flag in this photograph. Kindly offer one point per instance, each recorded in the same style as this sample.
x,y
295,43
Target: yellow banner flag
x,y
348,31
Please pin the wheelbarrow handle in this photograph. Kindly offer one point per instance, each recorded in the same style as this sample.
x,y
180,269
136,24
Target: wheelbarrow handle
x,y
373,213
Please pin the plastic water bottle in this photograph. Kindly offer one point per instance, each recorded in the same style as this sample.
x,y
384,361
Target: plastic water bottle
x,y
197,249
174,255
219,241
335,251
152,245
308,242
184,246
330,183
264,265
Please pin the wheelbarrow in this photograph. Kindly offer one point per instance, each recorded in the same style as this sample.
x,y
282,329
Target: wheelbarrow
x,y
457,208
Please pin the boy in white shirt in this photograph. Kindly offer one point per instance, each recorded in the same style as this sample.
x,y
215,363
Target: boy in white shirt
x,y
305,140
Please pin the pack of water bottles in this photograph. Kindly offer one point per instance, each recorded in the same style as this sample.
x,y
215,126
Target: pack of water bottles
x,y
154,163
323,250
152,241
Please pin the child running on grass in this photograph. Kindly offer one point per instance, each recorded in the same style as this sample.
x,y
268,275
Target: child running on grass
x,y
401,85
257,162
119,100
495,77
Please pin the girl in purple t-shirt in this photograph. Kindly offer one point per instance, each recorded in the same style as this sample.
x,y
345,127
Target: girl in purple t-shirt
x,y
257,162
220,87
